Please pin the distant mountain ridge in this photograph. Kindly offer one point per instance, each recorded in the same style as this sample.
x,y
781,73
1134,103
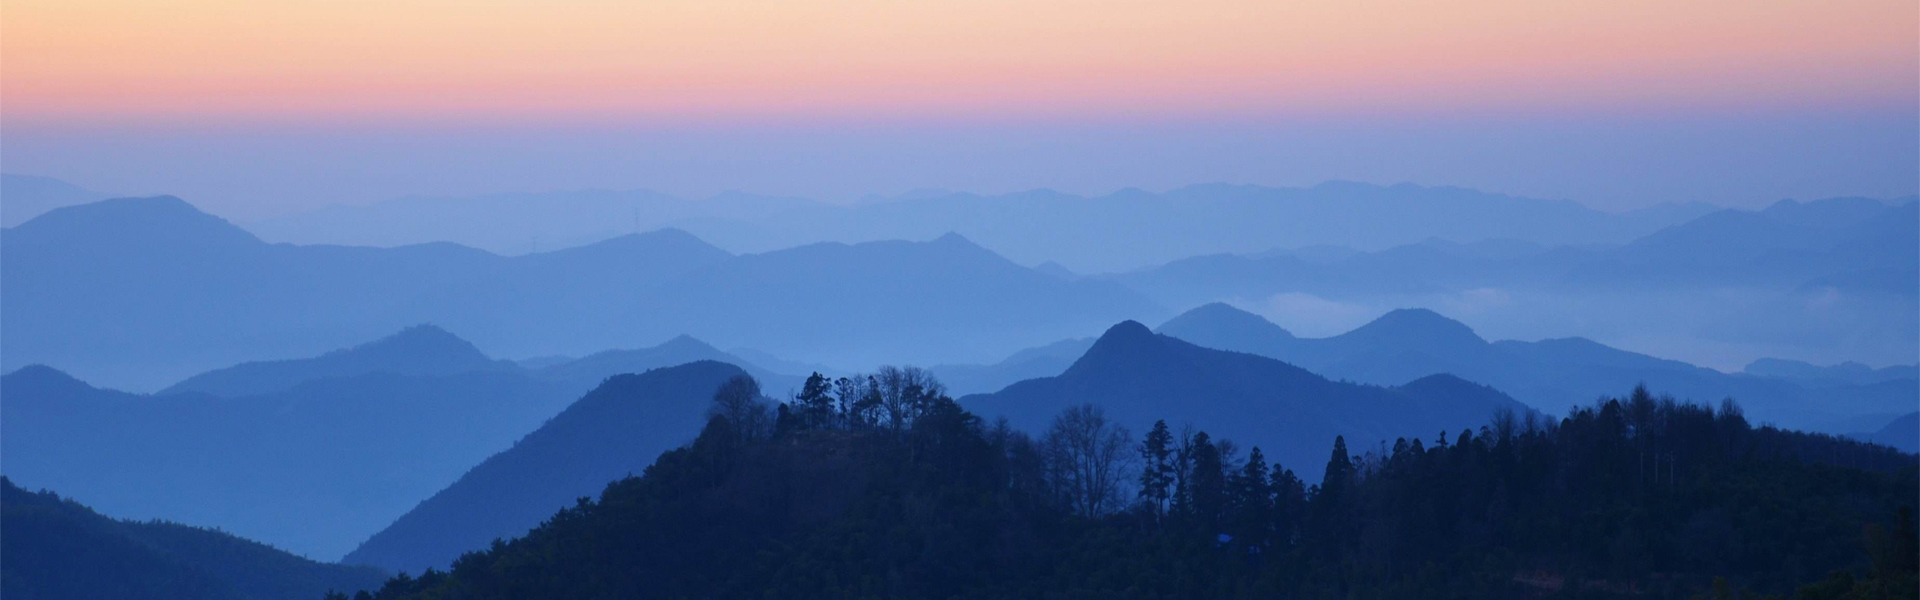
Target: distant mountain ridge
x,y
1030,227
417,350
24,197
1138,377
1407,344
138,292
1784,246
1039,361
1902,433
372,429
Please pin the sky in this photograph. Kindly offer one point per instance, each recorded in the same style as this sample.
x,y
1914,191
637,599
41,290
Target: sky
x,y
253,109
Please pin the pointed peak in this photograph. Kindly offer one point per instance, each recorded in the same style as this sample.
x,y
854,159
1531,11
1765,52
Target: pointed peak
x,y
954,238
684,341
425,339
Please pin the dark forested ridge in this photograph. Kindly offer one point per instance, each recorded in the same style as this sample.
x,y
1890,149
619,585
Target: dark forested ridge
x,y
55,548
848,495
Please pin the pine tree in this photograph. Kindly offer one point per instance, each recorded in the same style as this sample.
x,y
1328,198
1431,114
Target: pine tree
x,y
1253,502
815,402
1156,468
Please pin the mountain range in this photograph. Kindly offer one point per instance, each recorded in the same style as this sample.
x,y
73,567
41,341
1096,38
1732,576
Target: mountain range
x,y
349,440
1854,243
1030,227
1824,281
139,292
1292,415
1405,345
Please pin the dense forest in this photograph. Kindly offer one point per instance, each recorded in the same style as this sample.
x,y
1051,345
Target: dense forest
x,y
881,486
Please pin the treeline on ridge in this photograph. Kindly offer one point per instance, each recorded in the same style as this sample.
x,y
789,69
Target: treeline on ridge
x,y
882,486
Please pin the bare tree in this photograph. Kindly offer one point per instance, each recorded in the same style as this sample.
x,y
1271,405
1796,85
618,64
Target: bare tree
x,y
738,400
1087,458
904,392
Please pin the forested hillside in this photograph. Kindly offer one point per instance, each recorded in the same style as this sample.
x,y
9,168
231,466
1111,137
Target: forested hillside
x,y
1633,497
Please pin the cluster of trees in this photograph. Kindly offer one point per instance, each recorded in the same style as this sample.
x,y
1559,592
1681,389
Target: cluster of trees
x,y
890,399
838,495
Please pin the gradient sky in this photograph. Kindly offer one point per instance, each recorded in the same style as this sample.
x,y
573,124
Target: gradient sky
x,y
257,108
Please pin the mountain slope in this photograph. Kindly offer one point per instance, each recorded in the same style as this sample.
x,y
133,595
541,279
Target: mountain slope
x,y
417,350
1902,433
1038,361
612,432
57,548
312,455
24,197
313,469
1291,414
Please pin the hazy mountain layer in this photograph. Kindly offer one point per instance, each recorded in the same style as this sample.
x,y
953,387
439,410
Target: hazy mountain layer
x,y
57,548
1408,344
24,197
140,292
312,455
1290,413
1029,227
612,432
1829,281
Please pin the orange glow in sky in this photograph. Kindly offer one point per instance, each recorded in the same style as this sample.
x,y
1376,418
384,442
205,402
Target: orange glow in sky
x,y
68,60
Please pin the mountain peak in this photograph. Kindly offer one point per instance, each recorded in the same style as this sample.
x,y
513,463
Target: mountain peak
x,y
684,342
425,337
1417,326
133,221
418,350
952,238
40,376
1128,330
1221,316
